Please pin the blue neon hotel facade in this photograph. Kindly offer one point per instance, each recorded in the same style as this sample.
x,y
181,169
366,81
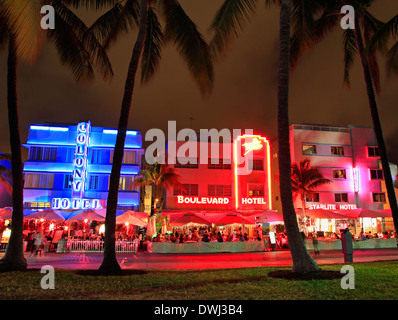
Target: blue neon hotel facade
x,y
68,167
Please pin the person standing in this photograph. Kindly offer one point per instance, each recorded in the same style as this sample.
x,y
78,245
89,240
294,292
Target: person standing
x,y
315,243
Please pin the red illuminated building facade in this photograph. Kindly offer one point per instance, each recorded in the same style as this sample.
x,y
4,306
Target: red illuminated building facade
x,y
230,175
348,156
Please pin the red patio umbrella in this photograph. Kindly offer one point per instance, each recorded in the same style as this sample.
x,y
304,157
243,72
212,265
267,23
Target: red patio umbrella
x,y
190,218
130,219
325,214
46,214
364,213
231,218
6,213
89,214
137,214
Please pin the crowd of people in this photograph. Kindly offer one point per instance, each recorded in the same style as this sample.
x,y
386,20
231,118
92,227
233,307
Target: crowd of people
x,y
205,237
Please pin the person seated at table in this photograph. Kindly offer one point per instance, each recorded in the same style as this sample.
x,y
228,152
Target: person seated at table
x,y
173,238
245,236
375,236
194,237
219,237
181,239
258,237
335,236
205,237
386,235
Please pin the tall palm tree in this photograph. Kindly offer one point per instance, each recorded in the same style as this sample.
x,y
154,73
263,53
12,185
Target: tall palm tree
x,y
5,173
160,177
181,31
228,23
20,24
305,179
355,43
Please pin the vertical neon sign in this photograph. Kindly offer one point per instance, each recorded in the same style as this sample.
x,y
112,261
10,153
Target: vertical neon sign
x,y
255,144
80,162
355,172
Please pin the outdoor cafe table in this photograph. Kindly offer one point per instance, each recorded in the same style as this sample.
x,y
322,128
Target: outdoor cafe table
x,y
325,245
206,247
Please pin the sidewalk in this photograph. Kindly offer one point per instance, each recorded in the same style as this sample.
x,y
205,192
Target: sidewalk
x,y
146,261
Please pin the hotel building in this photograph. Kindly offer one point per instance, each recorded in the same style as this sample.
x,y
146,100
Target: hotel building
x,y
221,176
68,167
348,156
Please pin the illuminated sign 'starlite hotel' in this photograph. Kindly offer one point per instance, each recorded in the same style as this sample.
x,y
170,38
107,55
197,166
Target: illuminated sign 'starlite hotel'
x,y
68,167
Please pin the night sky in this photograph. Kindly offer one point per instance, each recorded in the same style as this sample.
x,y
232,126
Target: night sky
x,y
244,96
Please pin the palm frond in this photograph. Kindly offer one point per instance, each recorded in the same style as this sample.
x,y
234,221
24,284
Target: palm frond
x,y
23,21
90,4
183,32
392,60
312,21
5,156
379,42
350,51
93,55
228,23
151,52
71,50
370,27
6,184
116,21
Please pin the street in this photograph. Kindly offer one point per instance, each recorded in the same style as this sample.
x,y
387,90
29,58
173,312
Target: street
x,y
147,261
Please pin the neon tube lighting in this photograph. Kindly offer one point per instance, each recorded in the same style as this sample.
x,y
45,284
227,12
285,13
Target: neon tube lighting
x,y
113,131
268,168
47,128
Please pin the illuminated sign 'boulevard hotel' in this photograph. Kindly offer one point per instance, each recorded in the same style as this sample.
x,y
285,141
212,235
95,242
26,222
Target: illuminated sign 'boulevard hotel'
x,y
68,167
239,180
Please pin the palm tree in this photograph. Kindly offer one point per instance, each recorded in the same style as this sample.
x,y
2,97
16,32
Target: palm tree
x,y
160,177
5,173
178,29
355,42
20,24
228,23
305,180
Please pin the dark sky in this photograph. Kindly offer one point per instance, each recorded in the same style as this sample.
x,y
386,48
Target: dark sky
x,y
244,96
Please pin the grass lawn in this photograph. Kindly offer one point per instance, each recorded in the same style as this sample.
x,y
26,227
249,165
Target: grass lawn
x,y
375,281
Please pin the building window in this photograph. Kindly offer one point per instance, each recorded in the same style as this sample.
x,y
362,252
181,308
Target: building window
x,y
68,181
256,190
94,182
379,197
186,190
312,197
39,180
129,157
256,164
126,183
339,174
337,150
96,156
376,174
309,149
219,190
42,154
341,197
373,152
189,165
212,164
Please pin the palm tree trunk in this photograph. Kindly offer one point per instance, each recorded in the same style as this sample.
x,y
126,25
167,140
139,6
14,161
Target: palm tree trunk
x,y
14,257
109,264
302,261
377,125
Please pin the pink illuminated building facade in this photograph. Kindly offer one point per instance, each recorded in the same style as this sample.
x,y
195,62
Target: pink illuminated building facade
x,y
227,176
347,155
